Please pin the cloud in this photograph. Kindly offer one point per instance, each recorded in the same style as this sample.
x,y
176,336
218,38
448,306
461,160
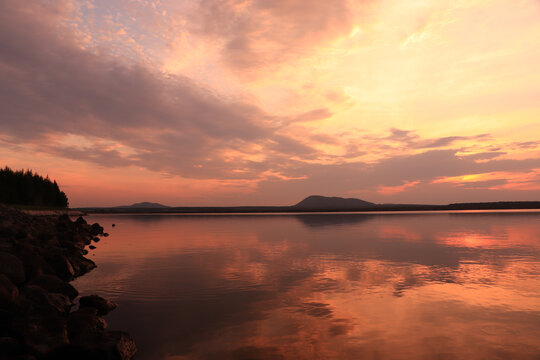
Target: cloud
x,y
62,98
263,33
53,88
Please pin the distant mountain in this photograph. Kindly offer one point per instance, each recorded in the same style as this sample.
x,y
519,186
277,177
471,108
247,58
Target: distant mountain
x,y
330,203
145,205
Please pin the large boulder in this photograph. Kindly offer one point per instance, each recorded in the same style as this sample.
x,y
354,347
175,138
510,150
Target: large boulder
x,y
54,284
62,266
110,345
39,301
12,267
80,264
103,306
85,325
43,334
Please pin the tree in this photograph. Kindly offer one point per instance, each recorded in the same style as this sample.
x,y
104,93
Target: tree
x,y
27,188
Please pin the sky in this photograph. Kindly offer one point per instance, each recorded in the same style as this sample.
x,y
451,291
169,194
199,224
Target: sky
x,y
264,102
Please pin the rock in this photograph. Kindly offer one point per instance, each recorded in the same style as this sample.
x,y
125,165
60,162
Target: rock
x,y
8,292
81,265
85,252
105,234
12,267
96,229
42,334
96,239
34,263
110,345
85,325
103,306
118,345
113,225
92,247
62,267
39,301
54,284
80,221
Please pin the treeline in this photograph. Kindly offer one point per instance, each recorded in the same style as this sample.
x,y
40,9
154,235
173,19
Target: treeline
x,y
27,188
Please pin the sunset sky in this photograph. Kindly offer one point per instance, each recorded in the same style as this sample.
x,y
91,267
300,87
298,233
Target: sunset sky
x,y
264,102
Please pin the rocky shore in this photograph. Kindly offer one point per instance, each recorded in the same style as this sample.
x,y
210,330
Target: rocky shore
x,y
39,256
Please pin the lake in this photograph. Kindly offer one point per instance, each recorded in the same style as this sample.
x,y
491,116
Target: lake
x,y
461,285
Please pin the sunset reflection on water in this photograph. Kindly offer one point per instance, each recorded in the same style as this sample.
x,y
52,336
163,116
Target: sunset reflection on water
x,y
334,286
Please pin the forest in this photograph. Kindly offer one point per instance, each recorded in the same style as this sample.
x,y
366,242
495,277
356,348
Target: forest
x,y
24,187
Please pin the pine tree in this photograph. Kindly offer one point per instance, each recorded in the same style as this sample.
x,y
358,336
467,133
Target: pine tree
x,y
27,188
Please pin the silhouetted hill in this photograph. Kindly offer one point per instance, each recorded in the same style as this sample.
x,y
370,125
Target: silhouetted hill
x,y
325,202
145,205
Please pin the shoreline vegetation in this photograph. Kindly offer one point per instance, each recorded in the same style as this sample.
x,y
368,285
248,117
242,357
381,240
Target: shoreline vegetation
x,y
314,203
28,189
39,256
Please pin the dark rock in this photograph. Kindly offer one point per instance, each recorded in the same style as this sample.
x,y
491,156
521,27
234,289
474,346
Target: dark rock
x,y
91,247
12,267
42,334
85,252
62,267
85,325
113,225
96,239
117,345
8,292
110,345
33,262
103,306
40,301
96,229
80,221
54,284
105,234
81,265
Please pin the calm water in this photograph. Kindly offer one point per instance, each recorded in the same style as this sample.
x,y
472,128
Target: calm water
x,y
337,286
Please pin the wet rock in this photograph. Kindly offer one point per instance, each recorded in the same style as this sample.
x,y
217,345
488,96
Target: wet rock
x,y
12,267
54,284
96,239
38,256
92,247
113,225
105,234
103,306
8,292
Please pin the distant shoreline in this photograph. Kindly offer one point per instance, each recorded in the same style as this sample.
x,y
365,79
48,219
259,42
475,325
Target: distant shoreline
x,y
502,205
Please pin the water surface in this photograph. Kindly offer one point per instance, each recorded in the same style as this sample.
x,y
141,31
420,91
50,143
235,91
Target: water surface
x,y
323,286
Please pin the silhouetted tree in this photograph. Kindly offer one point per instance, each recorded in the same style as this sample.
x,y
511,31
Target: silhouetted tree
x,y
27,188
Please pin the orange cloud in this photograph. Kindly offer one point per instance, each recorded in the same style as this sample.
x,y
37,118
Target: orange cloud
x,y
390,190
